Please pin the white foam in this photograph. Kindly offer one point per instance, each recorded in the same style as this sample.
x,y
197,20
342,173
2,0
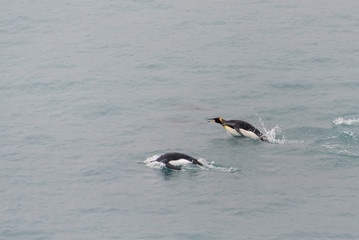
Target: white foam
x,y
342,121
152,163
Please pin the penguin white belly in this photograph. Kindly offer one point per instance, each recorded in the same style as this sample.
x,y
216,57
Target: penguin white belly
x,y
244,132
179,162
231,131
249,134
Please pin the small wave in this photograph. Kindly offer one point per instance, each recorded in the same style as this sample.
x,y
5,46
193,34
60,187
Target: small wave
x,y
152,163
340,150
344,144
343,121
350,138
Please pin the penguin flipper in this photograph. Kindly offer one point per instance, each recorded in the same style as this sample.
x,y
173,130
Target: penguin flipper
x,y
238,130
195,161
170,166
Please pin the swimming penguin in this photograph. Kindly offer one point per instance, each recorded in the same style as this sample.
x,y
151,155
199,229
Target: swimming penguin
x,y
240,128
173,158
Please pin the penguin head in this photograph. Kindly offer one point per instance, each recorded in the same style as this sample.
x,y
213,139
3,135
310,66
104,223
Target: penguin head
x,y
216,120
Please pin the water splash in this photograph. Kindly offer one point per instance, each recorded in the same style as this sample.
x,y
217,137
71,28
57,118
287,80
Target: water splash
x,y
152,163
272,133
207,166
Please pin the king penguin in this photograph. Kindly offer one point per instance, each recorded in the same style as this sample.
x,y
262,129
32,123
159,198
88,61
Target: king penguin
x,y
240,128
174,159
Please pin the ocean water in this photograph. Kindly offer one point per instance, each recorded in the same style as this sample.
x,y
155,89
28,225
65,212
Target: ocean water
x,y
91,91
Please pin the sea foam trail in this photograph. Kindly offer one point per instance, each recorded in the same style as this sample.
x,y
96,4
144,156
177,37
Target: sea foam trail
x,y
211,166
207,166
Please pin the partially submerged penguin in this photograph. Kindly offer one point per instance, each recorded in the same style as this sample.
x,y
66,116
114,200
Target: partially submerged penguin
x,y
174,159
240,128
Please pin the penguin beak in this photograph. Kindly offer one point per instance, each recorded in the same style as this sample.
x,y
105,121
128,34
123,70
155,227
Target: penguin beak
x,y
211,120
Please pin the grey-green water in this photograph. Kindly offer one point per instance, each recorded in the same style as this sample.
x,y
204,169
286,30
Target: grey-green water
x,y
90,91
